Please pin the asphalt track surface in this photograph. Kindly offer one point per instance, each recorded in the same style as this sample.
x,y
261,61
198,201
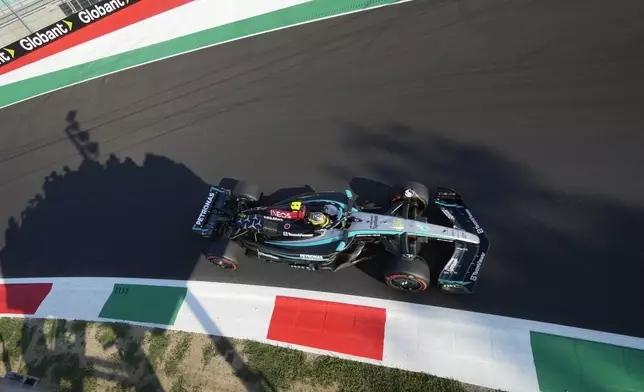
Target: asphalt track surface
x,y
533,110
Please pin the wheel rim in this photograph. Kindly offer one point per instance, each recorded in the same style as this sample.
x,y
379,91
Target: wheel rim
x,y
407,283
222,262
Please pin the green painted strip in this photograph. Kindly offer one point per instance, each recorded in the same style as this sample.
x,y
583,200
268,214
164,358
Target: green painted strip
x,y
146,304
316,9
575,365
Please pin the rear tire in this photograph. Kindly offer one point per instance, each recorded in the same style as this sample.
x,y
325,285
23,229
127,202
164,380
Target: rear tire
x,y
247,191
225,254
408,274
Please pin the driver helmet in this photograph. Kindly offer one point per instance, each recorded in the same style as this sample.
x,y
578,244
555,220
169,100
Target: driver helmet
x,y
318,219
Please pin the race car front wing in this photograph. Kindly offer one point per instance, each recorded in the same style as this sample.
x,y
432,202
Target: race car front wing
x,y
462,271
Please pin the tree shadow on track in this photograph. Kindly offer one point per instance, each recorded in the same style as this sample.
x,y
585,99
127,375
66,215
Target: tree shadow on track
x,y
112,219
554,256
106,217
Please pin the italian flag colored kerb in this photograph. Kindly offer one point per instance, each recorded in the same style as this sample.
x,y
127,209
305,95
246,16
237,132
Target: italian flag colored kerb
x,y
560,363
331,326
23,298
98,20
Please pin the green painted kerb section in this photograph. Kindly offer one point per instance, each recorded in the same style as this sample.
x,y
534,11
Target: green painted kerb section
x,y
313,10
145,304
573,365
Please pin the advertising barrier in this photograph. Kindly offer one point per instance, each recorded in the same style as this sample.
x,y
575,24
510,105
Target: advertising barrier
x,y
61,28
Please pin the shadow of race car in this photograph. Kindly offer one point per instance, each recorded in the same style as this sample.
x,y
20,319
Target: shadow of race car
x,y
329,231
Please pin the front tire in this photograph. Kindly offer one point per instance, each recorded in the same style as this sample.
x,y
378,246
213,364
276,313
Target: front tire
x,y
408,274
419,192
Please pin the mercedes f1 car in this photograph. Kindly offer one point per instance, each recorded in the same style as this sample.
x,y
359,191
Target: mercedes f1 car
x,y
330,231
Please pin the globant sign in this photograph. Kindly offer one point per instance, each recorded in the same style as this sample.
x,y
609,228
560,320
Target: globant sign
x,y
100,10
41,38
4,58
60,29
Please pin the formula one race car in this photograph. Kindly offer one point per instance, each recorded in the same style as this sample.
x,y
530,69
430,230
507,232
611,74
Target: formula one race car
x,y
329,231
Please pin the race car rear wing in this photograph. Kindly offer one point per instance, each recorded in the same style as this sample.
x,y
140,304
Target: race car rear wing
x,y
209,219
461,273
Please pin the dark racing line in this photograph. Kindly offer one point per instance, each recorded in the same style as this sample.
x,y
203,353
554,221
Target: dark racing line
x,y
329,231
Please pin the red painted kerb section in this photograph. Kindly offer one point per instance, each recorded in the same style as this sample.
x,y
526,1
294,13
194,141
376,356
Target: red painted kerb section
x,y
333,326
22,298
123,18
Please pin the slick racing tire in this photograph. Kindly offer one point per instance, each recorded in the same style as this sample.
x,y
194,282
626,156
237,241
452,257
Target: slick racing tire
x,y
225,254
408,274
247,191
421,193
